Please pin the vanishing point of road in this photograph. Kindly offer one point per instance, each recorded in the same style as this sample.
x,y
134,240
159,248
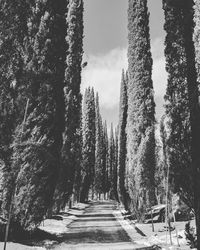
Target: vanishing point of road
x,y
97,229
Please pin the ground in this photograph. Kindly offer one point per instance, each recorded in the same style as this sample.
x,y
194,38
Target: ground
x,y
99,226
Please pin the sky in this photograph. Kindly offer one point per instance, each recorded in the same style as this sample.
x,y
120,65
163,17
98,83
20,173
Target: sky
x,y
105,50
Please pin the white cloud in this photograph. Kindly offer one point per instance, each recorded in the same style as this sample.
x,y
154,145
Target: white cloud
x,y
159,75
157,48
103,72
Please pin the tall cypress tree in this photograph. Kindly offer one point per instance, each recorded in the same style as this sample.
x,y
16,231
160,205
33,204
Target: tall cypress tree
x,y
123,195
72,148
116,172
88,150
38,140
111,166
177,98
13,26
105,184
98,149
141,106
186,179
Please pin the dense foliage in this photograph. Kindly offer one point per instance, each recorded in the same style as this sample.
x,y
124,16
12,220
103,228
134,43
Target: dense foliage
x,y
88,148
38,141
55,148
71,150
105,158
98,180
177,107
141,106
180,56
123,194
112,168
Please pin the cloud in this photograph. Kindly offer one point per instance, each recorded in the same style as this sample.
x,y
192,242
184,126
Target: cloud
x,y
157,48
104,74
159,75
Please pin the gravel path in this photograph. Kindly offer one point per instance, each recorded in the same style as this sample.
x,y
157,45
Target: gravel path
x,y
97,229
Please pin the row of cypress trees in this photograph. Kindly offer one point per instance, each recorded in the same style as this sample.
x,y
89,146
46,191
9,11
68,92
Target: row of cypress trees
x,y
179,128
53,144
88,148
99,153
50,147
40,106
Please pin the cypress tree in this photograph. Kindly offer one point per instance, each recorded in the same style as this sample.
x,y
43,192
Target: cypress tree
x,y
88,150
116,172
72,137
141,106
144,174
122,141
79,160
183,13
105,160
177,98
38,140
13,26
112,167
98,149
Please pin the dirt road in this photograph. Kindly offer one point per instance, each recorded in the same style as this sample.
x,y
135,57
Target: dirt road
x,y
97,229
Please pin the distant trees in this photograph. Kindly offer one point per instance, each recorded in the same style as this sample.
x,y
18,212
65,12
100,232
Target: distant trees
x,y
116,172
105,184
96,174
98,181
141,107
112,167
88,148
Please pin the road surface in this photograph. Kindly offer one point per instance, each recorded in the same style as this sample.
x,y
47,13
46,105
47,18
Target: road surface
x,y
97,229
